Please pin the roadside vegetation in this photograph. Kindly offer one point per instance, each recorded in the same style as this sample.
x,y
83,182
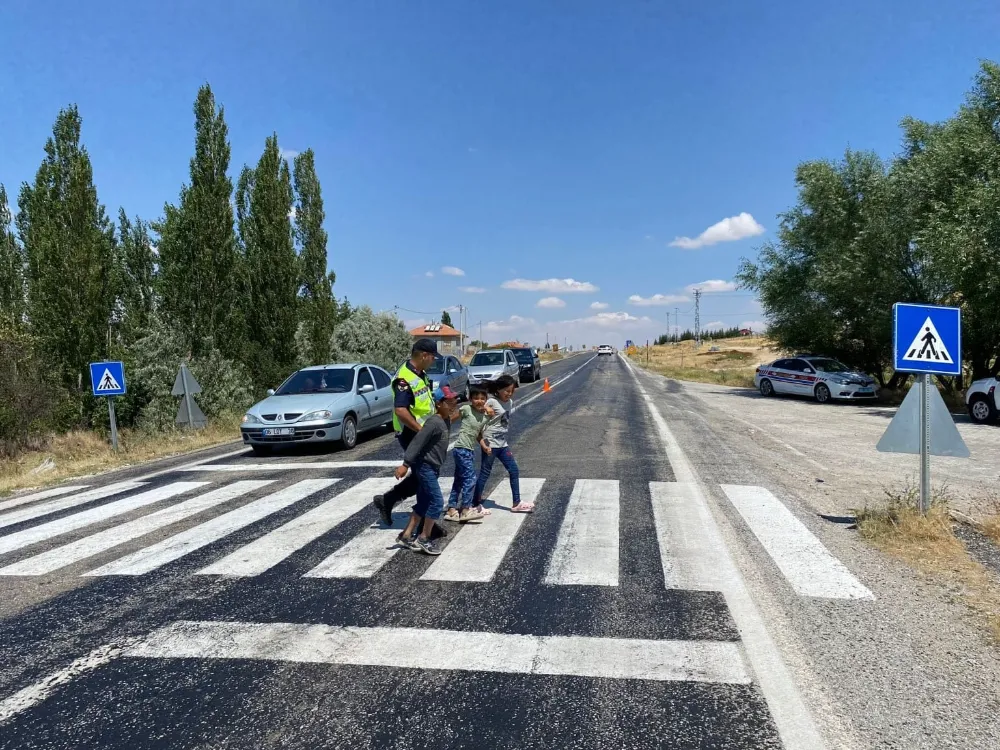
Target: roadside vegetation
x,y
732,363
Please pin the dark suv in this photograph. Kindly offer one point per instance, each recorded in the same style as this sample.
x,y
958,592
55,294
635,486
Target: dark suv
x,y
528,364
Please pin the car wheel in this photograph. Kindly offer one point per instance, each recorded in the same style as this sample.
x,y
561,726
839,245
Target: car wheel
x,y
982,411
823,393
349,433
766,388
261,450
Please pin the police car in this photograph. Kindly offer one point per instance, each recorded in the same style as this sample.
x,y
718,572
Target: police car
x,y
822,378
983,400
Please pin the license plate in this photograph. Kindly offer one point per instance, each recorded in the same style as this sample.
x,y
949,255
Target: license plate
x,y
274,431
865,390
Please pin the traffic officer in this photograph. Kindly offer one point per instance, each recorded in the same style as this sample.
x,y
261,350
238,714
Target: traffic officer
x,y
412,405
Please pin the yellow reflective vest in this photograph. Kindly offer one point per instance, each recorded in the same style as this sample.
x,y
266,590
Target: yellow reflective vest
x,y
423,403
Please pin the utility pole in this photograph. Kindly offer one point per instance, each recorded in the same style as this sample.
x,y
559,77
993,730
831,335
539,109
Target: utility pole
x,y
697,316
461,332
677,324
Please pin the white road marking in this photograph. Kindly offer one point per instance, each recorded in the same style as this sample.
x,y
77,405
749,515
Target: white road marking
x,y
561,380
586,551
277,466
178,545
54,506
796,726
799,555
54,492
417,648
52,529
681,536
368,552
89,546
476,553
269,550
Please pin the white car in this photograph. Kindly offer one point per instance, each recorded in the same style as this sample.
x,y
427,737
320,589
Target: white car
x,y
983,400
822,378
605,349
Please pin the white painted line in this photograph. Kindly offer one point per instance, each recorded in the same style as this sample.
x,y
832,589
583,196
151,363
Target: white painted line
x,y
288,466
681,536
54,492
269,550
178,545
40,691
477,552
54,506
799,555
417,648
561,380
102,541
52,529
795,724
368,552
586,551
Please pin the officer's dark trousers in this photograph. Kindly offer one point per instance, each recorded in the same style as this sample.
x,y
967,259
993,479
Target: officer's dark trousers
x,y
406,488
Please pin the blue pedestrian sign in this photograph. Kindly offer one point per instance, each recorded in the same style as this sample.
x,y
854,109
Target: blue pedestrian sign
x,y
927,339
107,378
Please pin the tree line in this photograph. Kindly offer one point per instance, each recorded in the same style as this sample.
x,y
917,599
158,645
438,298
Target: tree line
x,y
688,335
866,232
231,278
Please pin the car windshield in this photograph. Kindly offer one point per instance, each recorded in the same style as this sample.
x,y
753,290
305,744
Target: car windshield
x,y
828,365
523,356
437,368
487,358
339,380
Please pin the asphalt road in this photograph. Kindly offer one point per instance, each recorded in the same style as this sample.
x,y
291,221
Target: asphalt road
x,y
662,595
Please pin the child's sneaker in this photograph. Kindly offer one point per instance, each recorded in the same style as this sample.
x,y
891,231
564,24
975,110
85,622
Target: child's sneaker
x,y
452,515
471,515
426,546
406,542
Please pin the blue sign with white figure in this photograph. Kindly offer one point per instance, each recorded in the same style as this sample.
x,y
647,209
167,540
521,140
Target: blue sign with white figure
x,y
927,339
107,378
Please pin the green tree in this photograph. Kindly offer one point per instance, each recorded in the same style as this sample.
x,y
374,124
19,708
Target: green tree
x,y
69,245
263,205
319,311
380,339
12,302
445,318
200,271
136,276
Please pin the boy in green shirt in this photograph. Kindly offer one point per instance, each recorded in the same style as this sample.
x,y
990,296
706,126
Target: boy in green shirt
x,y
474,416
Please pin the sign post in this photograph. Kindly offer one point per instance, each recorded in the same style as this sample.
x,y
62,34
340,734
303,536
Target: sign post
x,y
107,379
927,340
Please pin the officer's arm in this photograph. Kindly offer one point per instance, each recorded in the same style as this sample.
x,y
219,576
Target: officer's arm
x,y
403,412
403,400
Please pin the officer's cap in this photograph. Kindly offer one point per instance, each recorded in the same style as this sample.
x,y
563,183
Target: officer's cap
x,y
425,345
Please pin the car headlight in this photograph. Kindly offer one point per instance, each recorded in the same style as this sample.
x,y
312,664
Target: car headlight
x,y
247,418
321,414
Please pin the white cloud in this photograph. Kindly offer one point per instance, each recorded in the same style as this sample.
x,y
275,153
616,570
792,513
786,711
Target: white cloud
x,y
713,285
598,305
606,320
714,324
727,230
656,300
452,271
555,286
293,213
757,326
287,153
429,274
514,321
550,302
472,289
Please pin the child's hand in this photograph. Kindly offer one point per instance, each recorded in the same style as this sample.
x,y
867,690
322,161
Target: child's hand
x,y
487,450
401,471
489,411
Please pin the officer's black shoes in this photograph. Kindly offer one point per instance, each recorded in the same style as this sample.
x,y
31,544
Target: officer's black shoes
x,y
384,509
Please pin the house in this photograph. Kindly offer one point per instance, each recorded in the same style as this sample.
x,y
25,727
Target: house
x,y
746,332
448,339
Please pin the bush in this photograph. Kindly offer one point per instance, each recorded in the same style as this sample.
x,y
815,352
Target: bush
x,y
380,339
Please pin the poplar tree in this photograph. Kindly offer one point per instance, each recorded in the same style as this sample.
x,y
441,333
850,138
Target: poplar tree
x,y
136,266
11,269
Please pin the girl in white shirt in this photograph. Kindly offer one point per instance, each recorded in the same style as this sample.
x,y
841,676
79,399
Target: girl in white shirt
x,y
497,447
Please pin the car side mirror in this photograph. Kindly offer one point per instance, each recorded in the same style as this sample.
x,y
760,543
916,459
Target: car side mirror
x,y
366,388
810,370
270,391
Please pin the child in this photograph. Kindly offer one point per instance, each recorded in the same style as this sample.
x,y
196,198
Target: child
x,y
424,457
474,416
502,405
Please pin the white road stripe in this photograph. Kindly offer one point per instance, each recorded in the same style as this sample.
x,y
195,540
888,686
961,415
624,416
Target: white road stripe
x,y
681,536
178,545
417,648
799,555
586,551
54,492
52,529
91,545
270,549
287,466
62,503
476,553
368,552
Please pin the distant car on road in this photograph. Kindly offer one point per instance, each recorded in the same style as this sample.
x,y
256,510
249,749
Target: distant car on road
x,y
823,378
449,370
490,364
983,400
528,363
320,404
605,349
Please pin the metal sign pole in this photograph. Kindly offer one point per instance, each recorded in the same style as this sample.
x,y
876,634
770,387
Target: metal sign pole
x,y
114,423
925,443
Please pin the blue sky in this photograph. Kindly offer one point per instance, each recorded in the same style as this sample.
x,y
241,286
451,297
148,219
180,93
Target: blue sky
x,y
512,140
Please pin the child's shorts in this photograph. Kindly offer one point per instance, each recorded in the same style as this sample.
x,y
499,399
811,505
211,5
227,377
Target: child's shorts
x,y
430,501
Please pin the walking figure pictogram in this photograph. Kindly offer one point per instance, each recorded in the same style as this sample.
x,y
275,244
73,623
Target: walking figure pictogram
x,y
928,338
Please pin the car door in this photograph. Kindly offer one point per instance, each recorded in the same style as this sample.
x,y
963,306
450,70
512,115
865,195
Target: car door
x,y
511,369
383,396
365,398
780,376
803,377
458,377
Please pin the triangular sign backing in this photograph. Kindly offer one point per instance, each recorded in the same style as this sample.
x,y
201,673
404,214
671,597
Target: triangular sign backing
x,y
108,382
927,346
195,419
903,433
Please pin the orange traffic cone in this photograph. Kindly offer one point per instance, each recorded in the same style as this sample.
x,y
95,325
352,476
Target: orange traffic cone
x,y
545,386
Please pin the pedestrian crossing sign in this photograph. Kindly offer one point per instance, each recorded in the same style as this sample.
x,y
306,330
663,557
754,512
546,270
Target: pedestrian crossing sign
x,y
107,378
927,339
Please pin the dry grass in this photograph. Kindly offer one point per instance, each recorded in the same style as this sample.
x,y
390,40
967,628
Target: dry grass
x,y
733,364
928,543
80,453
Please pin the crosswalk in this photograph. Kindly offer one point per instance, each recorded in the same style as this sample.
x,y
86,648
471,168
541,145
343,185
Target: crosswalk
x,y
586,550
